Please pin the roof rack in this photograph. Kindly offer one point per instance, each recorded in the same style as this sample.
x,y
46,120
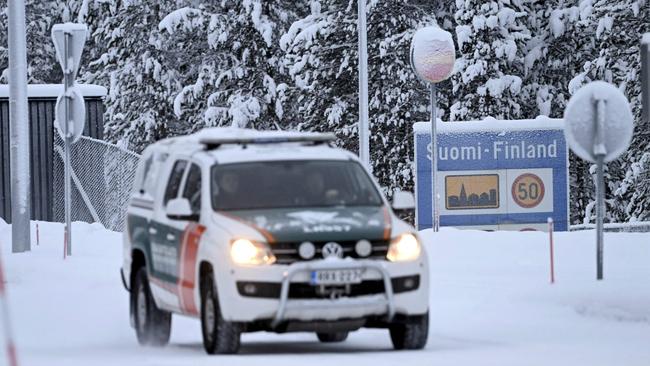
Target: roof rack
x,y
314,138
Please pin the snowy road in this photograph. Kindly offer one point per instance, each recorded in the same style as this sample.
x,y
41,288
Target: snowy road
x,y
491,305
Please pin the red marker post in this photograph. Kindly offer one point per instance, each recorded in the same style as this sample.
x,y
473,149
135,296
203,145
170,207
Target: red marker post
x,y
550,239
4,307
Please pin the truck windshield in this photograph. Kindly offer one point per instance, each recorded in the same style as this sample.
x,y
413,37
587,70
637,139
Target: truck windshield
x,y
288,184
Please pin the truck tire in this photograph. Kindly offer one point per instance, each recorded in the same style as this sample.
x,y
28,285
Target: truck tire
x,y
411,335
152,325
219,336
332,337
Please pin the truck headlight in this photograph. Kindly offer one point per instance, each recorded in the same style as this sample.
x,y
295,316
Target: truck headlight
x,y
405,247
244,251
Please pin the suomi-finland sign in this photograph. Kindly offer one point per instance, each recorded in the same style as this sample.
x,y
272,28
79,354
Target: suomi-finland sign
x,y
507,175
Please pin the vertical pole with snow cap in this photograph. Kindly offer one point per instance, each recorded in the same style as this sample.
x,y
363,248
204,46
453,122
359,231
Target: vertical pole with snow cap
x,y
6,321
69,39
364,130
19,129
598,125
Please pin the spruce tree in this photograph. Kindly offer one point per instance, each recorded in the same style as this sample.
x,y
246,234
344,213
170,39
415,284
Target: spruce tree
x,y
321,58
490,38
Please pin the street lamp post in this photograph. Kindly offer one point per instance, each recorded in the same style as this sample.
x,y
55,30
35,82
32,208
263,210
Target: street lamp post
x,y
19,129
364,130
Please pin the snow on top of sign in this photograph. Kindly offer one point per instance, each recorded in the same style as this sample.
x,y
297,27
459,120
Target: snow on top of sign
x,y
490,124
69,27
53,90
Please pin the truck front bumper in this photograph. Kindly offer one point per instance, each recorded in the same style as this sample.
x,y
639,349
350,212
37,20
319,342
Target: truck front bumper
x,y
282,307
386,301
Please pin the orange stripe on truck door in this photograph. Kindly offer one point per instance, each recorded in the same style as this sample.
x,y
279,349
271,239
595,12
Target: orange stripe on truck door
x,y
187,270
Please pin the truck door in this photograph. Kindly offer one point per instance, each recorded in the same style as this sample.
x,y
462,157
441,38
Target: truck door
x,y
165,235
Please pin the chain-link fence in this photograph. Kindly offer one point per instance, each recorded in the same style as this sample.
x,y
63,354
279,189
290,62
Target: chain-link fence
x,y
102,180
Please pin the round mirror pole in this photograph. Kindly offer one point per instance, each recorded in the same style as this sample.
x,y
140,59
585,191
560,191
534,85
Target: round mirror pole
x,y
434,160
432,57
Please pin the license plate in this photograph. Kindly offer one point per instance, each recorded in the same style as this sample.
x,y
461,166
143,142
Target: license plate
x,y
336,277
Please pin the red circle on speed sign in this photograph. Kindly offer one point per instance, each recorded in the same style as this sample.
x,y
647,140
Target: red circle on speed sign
x,y
528,190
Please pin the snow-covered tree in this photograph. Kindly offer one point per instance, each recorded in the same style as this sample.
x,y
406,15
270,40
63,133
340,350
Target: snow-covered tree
x,y
619,28
490,37
40,16
561,41
129,59
321,58
236,80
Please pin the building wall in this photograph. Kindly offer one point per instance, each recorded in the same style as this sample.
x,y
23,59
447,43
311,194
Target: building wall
x,y
42,130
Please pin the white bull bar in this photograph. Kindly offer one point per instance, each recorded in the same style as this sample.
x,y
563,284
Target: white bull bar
x,y
333,264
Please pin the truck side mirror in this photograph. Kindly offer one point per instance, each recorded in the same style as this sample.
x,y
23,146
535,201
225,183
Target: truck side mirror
x,y
403,200
180,209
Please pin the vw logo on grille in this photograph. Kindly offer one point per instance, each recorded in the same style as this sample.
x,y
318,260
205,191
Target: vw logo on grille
x,y
333,250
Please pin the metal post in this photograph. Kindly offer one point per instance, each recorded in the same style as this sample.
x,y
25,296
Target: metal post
x,y
434,160
550,242
67,83
364,133
645,75
600,213
19,127
600,151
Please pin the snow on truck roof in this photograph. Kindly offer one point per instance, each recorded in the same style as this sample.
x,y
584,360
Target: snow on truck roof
x,y
231,144
53,90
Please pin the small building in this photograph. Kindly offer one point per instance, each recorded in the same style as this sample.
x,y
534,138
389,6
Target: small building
x,y
42,100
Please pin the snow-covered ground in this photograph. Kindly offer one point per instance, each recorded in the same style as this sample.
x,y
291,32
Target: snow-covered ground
x,y
491,305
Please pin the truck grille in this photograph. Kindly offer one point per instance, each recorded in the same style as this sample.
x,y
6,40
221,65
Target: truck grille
x,y
271,290
287,253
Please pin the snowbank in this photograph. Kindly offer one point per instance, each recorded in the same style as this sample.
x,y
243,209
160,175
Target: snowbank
x,y
491,304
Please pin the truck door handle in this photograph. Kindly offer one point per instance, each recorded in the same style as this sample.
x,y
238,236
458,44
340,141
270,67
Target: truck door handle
x,y
153,231
171,237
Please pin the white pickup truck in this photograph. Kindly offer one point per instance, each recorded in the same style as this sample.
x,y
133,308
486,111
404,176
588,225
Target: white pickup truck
x,y
269,231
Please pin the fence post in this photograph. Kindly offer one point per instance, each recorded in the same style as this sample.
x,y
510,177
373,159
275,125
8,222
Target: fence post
x,y
550,239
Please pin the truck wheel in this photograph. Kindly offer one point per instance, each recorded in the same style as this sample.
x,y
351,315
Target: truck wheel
x,y
412,335
332,337
152,325
219,336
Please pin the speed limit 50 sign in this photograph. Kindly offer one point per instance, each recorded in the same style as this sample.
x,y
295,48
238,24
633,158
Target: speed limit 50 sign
x,y
528,190
494,175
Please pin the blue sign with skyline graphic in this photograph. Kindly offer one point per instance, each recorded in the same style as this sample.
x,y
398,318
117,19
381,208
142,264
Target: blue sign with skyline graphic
x,y
494,175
